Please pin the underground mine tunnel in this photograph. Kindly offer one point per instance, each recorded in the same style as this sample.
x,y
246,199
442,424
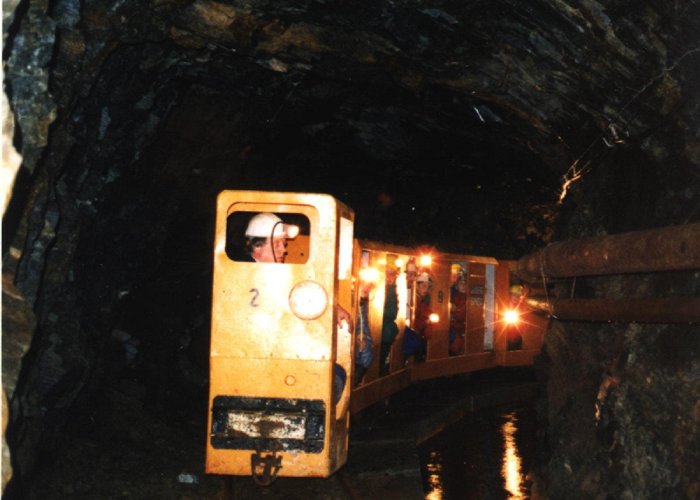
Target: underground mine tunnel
x,y
490,128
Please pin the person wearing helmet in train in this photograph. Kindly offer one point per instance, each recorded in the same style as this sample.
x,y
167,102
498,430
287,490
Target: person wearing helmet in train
x,y
456,274
421,320
266,238
391,310
458,316
339,375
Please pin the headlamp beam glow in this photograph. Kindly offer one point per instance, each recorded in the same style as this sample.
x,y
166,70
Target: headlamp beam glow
x,y
292,231
434,318
511,317
426,260
369,275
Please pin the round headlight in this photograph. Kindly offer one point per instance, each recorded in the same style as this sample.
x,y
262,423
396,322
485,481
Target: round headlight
x,y
308,300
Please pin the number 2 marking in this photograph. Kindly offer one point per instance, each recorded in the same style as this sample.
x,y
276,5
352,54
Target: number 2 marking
x,y
255,293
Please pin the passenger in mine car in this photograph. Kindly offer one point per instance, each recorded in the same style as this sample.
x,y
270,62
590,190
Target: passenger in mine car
x,y
364,348
266,238
457,274
391,310
458,316
421,320
339,374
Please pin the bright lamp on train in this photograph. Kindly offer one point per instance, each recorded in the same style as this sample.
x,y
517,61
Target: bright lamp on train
x,y
426,260
434,318
308,300
292,230
369,275
511,317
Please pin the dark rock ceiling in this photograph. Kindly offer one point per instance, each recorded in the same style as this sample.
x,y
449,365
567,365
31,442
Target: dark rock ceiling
x,y
449,123
485,106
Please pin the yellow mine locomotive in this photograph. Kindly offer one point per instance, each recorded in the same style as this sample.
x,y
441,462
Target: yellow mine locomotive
x,y
281,345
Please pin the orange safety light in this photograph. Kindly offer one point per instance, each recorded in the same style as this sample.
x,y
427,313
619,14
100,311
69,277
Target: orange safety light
x,y
511,317
292,231
369,275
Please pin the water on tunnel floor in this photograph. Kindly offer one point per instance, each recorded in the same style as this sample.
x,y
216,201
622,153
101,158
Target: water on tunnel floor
x,y
489,454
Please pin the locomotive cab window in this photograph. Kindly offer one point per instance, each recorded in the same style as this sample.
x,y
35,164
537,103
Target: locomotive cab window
x,y
273,237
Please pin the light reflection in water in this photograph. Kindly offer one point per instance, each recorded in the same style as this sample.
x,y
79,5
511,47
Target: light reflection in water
x,y
434,468
511,469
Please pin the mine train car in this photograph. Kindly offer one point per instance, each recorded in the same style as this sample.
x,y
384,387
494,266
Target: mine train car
x,y
478,317
284,332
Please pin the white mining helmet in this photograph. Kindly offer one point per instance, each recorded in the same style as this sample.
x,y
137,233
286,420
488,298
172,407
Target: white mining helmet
x,y
262,225
423,277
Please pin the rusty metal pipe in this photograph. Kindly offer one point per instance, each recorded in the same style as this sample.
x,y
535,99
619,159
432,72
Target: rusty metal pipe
x,y
670,248
654,310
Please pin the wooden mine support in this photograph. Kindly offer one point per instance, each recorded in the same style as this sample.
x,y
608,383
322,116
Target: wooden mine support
x,y
673,248
670,248
653,310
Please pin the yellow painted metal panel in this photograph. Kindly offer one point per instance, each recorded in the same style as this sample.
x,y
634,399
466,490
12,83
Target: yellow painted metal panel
x,y
260,348
251,315
476,291
453,365
292,379
439,303
523,357
379,389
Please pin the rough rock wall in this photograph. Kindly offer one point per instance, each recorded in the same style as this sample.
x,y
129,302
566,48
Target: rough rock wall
x,y
623,399
11,161
641,441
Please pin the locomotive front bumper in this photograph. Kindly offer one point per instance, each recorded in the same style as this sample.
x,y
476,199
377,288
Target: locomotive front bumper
x,y
268,424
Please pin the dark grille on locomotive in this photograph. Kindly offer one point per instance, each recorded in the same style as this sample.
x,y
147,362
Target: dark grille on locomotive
x,y
308,414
